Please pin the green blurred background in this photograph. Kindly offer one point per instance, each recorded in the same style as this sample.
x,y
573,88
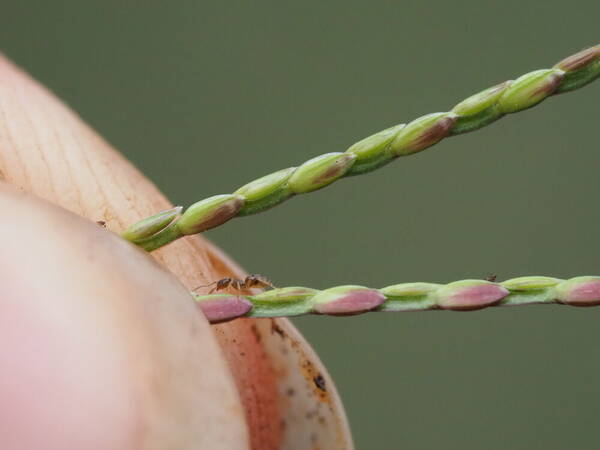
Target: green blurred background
x,y
206,96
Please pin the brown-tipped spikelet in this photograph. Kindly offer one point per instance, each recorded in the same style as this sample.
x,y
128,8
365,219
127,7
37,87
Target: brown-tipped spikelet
x,y
209,213
422,133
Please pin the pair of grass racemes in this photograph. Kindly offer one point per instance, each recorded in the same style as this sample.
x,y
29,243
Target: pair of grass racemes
x,y
367,155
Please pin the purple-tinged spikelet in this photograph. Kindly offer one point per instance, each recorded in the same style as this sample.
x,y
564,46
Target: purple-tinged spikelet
x,y
579,291
347,300
223,307
468,295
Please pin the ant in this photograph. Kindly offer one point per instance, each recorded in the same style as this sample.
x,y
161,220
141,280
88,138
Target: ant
x,y
492,277
249,282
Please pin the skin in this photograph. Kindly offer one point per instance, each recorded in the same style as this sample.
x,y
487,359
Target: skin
x,y
104,345
95,361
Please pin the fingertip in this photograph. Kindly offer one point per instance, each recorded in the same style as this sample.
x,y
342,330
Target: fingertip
x,y
103,348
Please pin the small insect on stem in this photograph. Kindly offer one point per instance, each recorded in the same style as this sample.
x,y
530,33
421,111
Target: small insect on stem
x,y
239,284
101,223
491,277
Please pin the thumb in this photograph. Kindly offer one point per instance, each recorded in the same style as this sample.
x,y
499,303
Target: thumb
x,y
90,355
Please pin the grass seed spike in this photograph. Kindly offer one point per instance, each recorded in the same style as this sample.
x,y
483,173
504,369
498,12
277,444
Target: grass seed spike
x,y
371,153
